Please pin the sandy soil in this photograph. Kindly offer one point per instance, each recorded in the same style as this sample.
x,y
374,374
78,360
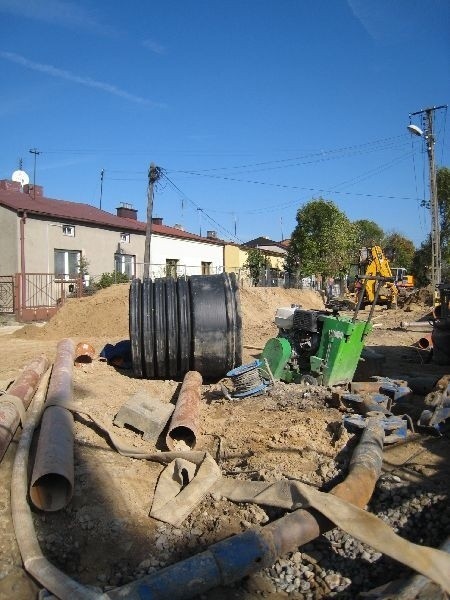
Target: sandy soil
x,y
105,536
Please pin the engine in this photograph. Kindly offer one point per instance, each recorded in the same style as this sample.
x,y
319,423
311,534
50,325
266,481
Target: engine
x,y
302,328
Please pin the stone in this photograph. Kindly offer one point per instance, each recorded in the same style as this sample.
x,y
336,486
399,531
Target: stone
x,y
146,414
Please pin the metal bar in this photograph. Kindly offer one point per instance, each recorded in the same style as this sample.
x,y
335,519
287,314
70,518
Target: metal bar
x,y
184,424
23,389
53,473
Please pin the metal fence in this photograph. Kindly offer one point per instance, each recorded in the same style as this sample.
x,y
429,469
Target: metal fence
x,y
36,296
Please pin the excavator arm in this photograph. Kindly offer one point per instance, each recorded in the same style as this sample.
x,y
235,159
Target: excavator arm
x,y
374,263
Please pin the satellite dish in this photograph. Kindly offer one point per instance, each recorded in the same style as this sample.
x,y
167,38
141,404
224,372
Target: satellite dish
x,y
415,130
21,177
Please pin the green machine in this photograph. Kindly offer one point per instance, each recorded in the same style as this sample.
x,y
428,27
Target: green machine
x,y
315,346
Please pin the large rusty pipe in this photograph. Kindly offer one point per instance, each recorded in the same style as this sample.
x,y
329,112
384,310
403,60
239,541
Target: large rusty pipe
x,y
53,473
232,559
34,562
23,390
184,424
302,526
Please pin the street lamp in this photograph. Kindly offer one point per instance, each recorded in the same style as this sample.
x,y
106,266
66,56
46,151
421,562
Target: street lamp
x,y
428,135
415,130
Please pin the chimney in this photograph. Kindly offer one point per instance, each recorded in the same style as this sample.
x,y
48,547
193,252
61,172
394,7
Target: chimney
x,y
157,221
126,211
178,226
10,186
212,235
33,190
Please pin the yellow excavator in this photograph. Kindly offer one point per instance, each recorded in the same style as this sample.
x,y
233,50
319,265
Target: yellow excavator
x,y
372,269
370,281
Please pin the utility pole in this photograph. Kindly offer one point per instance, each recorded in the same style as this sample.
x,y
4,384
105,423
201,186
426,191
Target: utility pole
x,y
36,153
154,174
427,133
102,173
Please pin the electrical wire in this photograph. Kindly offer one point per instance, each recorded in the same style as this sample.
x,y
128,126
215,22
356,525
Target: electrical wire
x,y
295,187
320,154
200,209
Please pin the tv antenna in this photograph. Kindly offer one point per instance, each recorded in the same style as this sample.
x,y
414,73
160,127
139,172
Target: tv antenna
x,y
36,153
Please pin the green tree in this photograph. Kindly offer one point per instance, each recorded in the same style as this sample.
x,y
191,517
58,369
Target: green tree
x,y
254,263
422,259
421,263
322,242
368,233
403,250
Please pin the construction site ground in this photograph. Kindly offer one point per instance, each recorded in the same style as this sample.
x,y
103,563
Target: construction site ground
x,y
105,537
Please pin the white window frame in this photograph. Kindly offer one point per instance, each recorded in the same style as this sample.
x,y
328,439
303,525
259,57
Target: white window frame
x,y
67,274
68,230
125,238
122,260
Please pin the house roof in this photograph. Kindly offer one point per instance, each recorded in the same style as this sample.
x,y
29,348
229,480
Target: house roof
x,y
265,243
85,213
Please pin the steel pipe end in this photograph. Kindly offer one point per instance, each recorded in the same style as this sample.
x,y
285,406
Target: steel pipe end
x,y
51,492
84,353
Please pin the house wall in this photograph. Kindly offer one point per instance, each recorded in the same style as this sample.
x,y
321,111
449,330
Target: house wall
x,y
99,245
235,258
9,242
189,253
276,262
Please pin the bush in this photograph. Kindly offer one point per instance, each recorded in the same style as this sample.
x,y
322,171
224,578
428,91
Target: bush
x,y
108,279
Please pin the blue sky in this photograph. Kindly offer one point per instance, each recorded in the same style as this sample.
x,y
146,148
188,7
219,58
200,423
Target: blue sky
x,y
252,107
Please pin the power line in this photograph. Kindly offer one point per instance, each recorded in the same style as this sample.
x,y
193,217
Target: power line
x,y
200,209
295,187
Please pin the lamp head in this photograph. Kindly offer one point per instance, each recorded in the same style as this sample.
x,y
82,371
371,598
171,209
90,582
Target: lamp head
x,y
415,130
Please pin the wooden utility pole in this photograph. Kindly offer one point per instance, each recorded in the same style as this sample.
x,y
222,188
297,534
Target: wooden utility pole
x,y
428,135
154,173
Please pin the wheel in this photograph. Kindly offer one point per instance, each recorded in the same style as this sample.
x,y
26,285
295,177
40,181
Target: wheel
x,y
308,380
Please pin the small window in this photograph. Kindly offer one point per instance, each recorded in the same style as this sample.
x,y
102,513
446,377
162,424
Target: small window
x,y
171,267
125,238
68,230
206,268
67,263
124,263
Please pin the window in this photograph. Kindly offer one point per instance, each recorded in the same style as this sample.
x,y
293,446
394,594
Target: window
x,y
124,263
68,230
171,267
125,238
67,263
206,268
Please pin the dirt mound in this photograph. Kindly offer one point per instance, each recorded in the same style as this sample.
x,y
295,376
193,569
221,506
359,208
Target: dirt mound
x,y
258,311
105,314
421,297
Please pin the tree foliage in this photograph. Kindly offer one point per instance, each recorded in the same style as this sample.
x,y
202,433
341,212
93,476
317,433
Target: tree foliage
x,y
254,263
422,258
322,242
403,249
368,233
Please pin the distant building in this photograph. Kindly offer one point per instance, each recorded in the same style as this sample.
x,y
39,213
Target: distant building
x,y
45,235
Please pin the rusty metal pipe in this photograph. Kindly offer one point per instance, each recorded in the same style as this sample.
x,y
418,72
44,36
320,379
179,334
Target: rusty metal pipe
x,y
35,563
232,559
84,353
53,474
184,424
23,389
425,342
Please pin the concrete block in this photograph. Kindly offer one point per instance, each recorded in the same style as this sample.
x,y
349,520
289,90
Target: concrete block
x,y
146,414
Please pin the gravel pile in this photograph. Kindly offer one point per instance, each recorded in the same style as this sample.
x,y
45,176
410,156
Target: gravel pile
x,y
337,565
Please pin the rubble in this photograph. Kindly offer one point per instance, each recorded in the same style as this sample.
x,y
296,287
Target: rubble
x,y
290,432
